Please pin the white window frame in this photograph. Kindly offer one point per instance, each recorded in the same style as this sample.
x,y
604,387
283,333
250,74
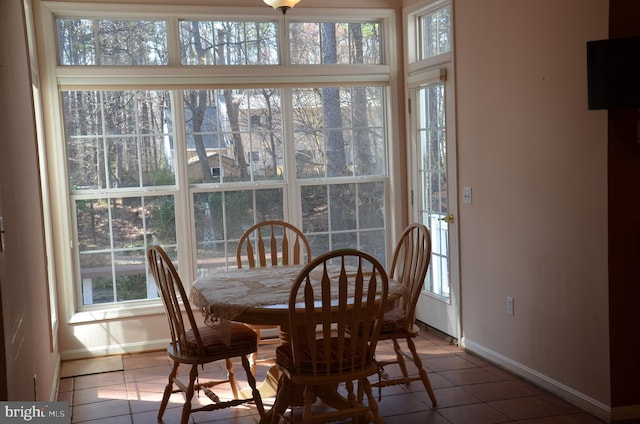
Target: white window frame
x,y
55,78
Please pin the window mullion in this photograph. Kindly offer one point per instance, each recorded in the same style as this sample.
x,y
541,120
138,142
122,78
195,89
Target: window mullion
x,y
284,43
183,204
292,187
173,40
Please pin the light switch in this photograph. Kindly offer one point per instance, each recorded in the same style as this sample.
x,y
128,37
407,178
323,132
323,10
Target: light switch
x,y
466,195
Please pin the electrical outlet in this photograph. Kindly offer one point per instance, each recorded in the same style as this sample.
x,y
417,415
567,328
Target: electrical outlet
x,y
509,305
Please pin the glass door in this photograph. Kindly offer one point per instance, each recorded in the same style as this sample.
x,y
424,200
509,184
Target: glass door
x,y
434,204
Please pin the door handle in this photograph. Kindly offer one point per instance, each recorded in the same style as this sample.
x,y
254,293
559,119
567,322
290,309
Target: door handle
x,y
449,218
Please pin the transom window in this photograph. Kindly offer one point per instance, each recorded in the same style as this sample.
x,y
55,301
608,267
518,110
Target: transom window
x,y
191,165
435,32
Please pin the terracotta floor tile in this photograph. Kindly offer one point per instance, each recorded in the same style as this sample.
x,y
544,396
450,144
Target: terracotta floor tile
x,y
121,419
150,417
446,363
451,396
424,417
97,410
66,385
564,419
97,380
479,413
563,405
99,394
401,404
469,376
437,381
157,372
526,407
145,360
499,390
469,389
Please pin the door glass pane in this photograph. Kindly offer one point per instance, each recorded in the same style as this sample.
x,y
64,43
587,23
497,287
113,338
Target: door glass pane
x,y
433,178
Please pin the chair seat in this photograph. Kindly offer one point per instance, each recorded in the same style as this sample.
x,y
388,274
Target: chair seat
x,y
242,341
284,357
393,321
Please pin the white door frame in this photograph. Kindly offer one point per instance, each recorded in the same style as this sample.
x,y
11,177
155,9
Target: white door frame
x,y
438,312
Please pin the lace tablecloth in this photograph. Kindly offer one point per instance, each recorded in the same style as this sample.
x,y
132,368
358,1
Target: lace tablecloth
x,y
224,296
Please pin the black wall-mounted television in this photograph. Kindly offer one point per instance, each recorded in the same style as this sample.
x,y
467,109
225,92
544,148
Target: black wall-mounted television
x,y
613,73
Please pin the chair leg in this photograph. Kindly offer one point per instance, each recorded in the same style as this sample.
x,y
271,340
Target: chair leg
x,y
186,408
283,399
423,374
373,405
400,357
350,393
309,398
257,399
254,355
167,391
231,376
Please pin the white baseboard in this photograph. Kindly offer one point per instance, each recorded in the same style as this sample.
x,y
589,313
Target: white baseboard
x,y
593,406
120,349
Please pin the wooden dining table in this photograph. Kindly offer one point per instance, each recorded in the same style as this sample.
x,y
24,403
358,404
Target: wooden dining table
x,y
258,296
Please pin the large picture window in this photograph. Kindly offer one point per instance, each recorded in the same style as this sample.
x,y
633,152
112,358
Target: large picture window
x,y
192,165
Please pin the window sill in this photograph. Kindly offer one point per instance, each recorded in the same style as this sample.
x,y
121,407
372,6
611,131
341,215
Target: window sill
x,y
113,313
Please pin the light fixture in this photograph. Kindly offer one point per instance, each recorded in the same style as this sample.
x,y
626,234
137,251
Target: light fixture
x,y
282,5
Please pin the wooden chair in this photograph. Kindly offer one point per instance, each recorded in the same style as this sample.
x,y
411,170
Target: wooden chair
x,y
271,243
411,259
196,346
322,352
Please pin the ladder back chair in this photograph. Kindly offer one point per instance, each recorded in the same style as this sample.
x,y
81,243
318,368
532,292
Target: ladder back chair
x,y
195,346
268,244
411,259
336,291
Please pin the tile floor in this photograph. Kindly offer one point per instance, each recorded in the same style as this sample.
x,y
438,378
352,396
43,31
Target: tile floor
x,y
469,390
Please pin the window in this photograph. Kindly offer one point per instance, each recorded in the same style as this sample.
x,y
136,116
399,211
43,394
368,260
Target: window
x,y
435,32
193,154
111,42
234,43
253,157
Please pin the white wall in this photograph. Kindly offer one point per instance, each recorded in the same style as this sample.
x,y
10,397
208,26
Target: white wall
x,y
536,159
30,353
